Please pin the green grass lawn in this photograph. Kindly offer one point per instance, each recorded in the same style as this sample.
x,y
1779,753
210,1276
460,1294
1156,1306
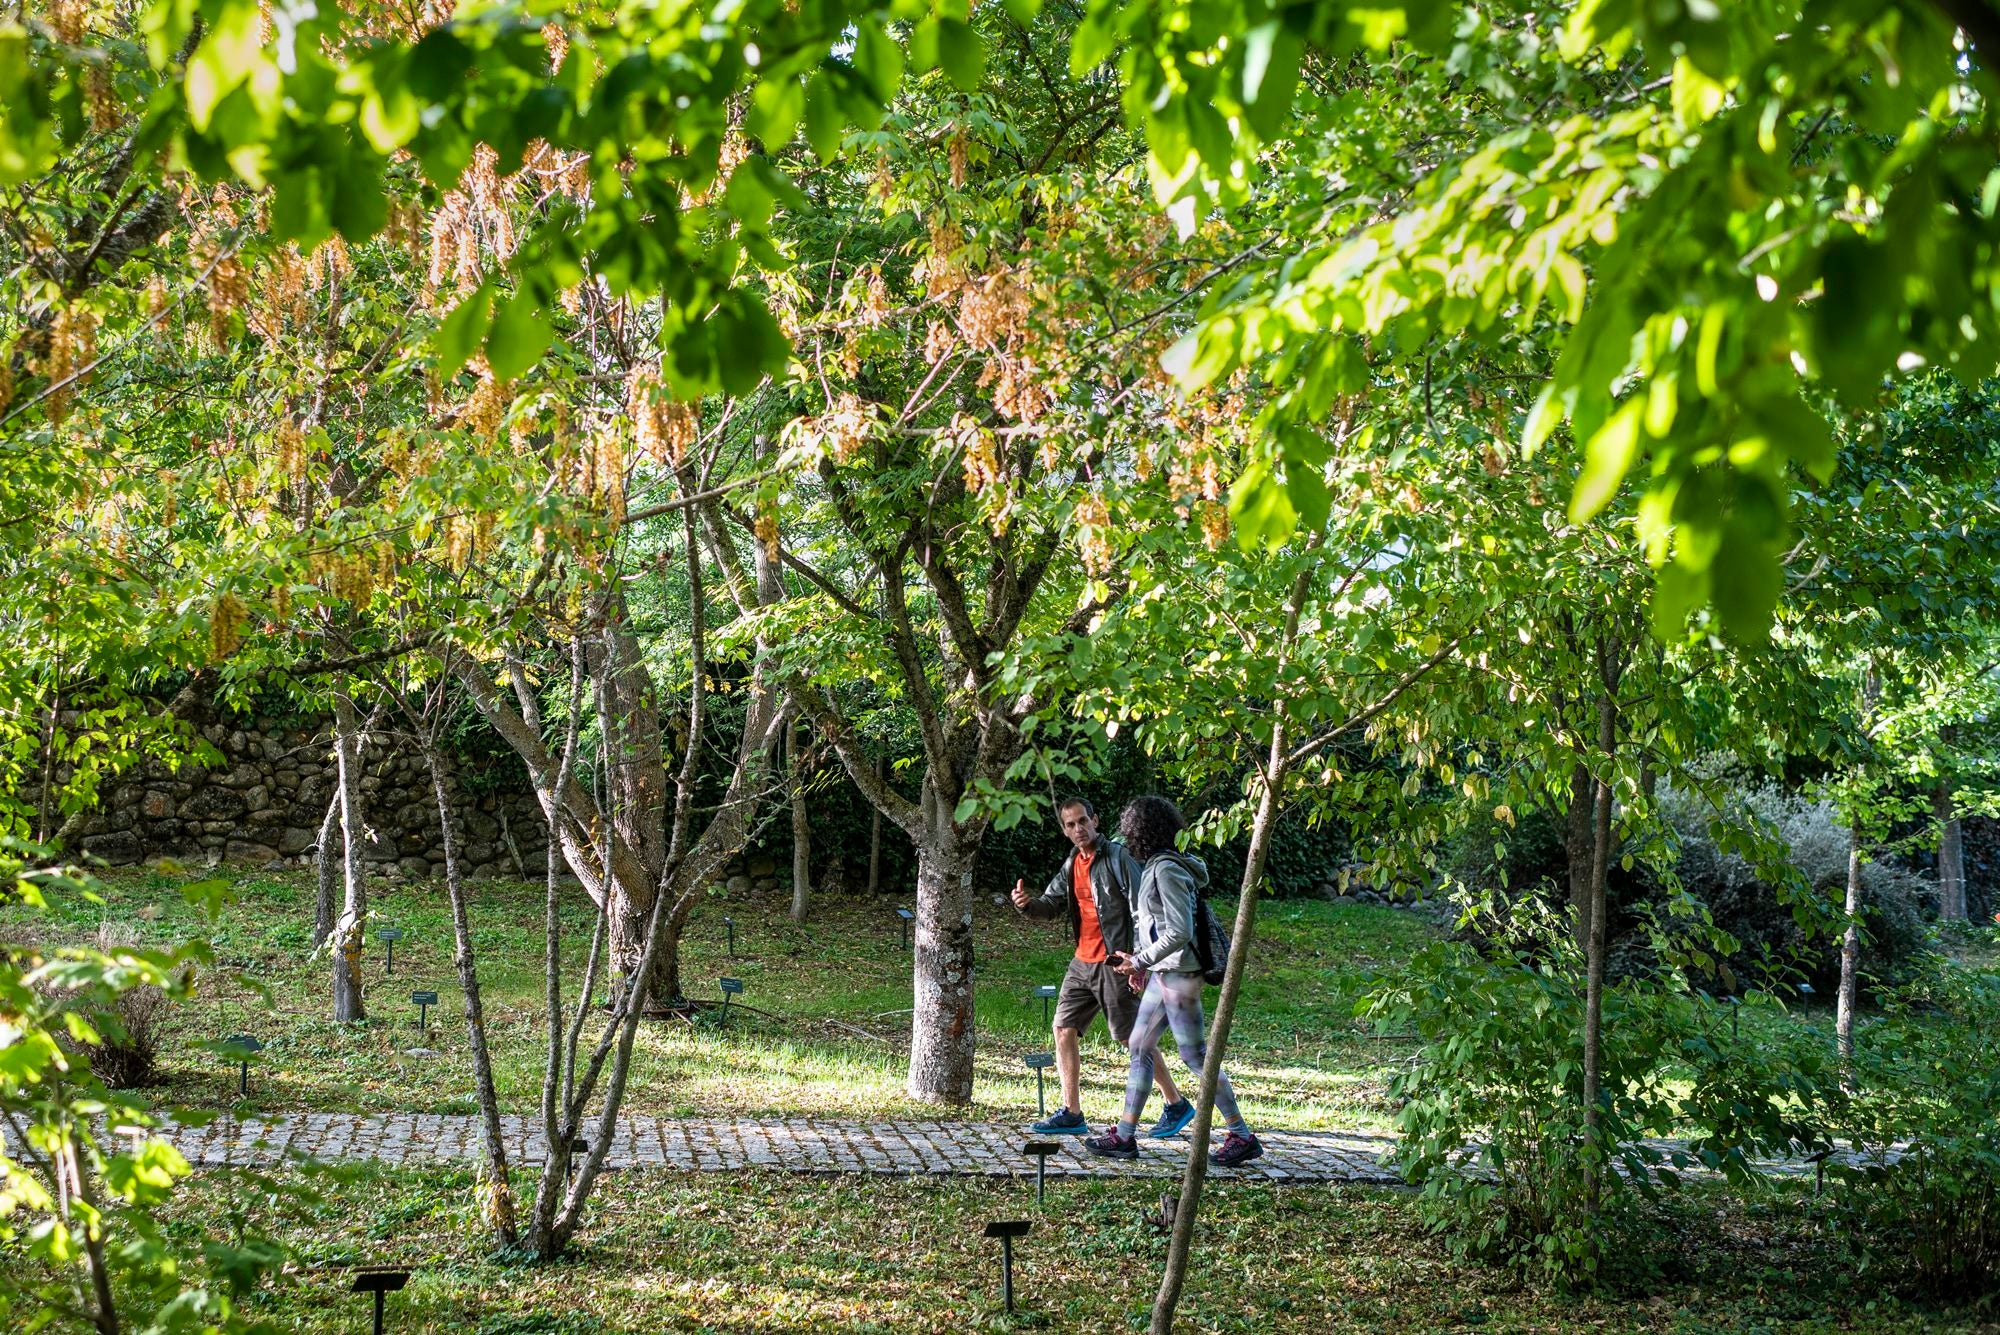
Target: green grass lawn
x,y
1298,1057
758,1251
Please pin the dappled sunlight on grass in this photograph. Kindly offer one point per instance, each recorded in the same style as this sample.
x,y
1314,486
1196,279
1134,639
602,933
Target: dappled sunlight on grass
x,y
826,1031
764,1252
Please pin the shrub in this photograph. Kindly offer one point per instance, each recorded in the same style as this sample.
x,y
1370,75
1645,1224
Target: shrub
x,y
1928,1084
128,1053
1756,913
1741,899
124,1024
1493,1126
80,1232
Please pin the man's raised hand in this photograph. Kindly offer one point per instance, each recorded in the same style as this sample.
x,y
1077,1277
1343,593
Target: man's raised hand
x,y
1020,894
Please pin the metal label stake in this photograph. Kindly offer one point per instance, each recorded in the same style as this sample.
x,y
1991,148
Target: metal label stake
x,y
242,1047
379,1280
731,987
424,1001
730,923
1047,993
1038,1062
1041,1150
389,936
1007,1230
907,917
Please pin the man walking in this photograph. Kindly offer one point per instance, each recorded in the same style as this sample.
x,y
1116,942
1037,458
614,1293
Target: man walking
x,y
1093,889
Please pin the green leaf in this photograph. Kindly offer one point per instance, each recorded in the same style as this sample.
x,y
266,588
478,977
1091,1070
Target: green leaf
x,y
824,123
1260,509
1745,581
230,47
520,332
775,109
462,330
1271,54
1091,44
880,61
961,54
1607,458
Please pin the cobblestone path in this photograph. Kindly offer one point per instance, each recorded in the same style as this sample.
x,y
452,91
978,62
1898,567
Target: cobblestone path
x,y
806,1145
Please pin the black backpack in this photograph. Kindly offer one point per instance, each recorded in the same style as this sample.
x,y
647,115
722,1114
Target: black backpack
x,y
1211,940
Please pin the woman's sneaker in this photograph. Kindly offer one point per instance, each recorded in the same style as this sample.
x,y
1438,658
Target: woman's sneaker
x,y
1111,1145
1173,1120
1062,1122
1239,1147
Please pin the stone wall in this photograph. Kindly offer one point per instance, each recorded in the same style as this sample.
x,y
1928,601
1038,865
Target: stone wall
x,y
262,806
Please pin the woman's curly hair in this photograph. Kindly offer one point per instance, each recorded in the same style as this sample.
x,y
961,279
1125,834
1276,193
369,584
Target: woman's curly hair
x,y
1148,826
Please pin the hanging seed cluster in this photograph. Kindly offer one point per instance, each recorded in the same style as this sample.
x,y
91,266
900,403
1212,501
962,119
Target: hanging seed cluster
x,y
1093,535
226,618
662,429
71,350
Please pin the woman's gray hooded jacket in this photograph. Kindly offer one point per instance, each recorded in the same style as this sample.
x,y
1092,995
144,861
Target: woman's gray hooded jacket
x,y
1163,913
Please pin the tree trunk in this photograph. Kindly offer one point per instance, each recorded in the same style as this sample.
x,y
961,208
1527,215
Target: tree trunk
x,y
1174,1277
1951,856
1850,951
323,906
875,844
1579,846
1195,1174
1593,1002
801,824
499,1205
349,932
941,1024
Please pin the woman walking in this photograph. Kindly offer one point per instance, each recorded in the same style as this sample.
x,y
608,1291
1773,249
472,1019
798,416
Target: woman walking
x,y
1163,961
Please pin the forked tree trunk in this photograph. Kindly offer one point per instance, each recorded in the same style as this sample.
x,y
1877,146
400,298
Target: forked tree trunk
x,y
348,932
1951,856
801,823
329,855
941,1025
498,1205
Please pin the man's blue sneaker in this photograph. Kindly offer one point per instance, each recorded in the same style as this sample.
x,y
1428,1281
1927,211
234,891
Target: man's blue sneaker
x,y
1062,1122
1173,1120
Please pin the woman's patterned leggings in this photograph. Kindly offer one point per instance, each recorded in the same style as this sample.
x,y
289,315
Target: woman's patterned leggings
x,y
1171,1000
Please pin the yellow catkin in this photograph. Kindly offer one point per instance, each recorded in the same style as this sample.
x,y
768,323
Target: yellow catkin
x,y
485,409
228,292
765,526
642,408
290,443
1093,534
960,160
69,18
942,273
71,350
226,616
101,99
1214,524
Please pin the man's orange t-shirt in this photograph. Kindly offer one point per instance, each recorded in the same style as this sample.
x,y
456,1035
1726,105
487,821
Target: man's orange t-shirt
x,y
1090,936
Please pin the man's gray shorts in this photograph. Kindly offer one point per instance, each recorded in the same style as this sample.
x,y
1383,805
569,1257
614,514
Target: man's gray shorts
x,y
1090,988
